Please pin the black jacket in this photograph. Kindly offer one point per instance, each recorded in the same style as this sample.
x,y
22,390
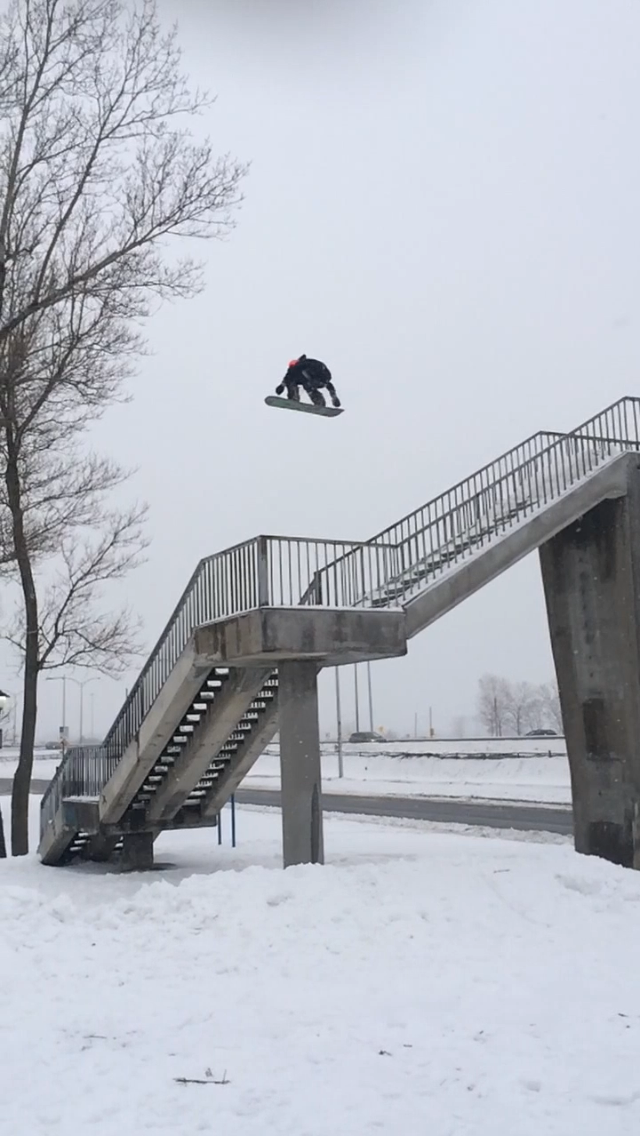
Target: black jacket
x,y
308,373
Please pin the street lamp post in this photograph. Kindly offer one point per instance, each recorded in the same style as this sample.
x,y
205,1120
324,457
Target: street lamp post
x,y
357,700
12,715
82,684
370,696
339,725
5,701
63,728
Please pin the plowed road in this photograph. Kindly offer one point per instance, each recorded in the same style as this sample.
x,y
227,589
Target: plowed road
x,y
484,814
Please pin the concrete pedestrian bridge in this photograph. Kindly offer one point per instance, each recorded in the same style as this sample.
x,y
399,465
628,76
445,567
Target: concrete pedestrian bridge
x,y
239,657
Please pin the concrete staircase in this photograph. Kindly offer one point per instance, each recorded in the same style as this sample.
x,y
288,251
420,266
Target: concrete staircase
x,y
179,777
207,701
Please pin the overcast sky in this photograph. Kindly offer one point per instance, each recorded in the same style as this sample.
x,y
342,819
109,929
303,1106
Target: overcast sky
x,y
443,205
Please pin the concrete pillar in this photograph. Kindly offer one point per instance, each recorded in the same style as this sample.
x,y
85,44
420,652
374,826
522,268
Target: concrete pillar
x,y
591,576
302,840
137,851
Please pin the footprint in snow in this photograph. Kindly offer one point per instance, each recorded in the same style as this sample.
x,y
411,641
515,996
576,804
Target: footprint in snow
x,y
617,1100
276,900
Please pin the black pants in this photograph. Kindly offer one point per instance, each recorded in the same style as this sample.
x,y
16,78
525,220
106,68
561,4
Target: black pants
x,y
293,392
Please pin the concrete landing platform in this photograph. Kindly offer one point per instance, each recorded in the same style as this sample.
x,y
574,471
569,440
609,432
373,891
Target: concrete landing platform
x,y
328,636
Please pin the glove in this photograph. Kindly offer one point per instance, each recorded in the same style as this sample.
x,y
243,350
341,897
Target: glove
x,y
280,388
336,401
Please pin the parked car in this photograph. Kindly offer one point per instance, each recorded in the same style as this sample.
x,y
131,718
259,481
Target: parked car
x,y
541,734
366,737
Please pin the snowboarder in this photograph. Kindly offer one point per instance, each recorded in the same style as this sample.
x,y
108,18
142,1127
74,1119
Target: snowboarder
x,y
311,375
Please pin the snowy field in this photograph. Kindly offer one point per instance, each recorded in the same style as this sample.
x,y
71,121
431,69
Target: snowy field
x,y
525,769
421,982
525,776
45,763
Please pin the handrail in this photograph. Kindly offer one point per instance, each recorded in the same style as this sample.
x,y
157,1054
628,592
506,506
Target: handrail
x,y
267,571
487,473
452,526
542,436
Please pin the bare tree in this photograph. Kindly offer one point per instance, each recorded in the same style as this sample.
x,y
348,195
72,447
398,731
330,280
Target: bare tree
x,y
73,631
550,704
5,713
98,170
493,699
522,707
459,726
517,707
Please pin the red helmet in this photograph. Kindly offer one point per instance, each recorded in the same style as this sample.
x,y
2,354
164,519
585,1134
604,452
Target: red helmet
x,y
292,362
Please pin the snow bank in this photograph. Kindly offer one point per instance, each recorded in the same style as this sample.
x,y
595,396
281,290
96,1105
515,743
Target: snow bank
x,y
455,747
376,773
419,983
524,769
45,763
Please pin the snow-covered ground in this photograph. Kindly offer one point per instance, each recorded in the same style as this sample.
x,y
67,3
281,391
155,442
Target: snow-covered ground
x,y
45,763
543,779
452,747
523,770
419,983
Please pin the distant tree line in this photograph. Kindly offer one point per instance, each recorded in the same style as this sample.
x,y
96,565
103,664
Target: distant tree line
x,y
512,709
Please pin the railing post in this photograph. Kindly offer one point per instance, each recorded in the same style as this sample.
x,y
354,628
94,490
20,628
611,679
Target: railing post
x,y
263,571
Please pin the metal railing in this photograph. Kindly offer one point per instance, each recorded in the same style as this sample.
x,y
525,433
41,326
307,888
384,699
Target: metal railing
x,y
446,504
385,571
617,426
83,772
268,571
476,511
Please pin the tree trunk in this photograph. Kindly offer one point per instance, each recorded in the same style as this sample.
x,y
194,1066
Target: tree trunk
x,y
22,779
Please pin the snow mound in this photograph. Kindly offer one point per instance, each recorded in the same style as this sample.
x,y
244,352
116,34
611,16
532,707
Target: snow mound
x,y
541,779
417,983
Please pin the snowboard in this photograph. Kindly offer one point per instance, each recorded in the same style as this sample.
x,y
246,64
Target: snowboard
x,y
307,407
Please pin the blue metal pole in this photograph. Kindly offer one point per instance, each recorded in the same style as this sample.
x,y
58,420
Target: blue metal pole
x,y
220,828
233,820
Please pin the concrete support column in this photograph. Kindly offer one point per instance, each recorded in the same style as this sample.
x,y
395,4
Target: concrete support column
x,y
591,576
302,839
137,851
